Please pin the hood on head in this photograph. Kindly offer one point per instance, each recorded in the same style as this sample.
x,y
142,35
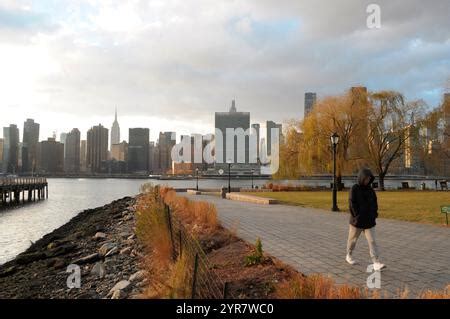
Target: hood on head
x,y
363,173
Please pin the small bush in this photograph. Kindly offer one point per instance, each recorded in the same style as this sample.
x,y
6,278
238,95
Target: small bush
x,y
257,256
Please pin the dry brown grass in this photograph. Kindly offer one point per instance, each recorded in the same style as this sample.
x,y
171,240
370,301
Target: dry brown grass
x,y
316,287
430,294
321,287
201,217
168,278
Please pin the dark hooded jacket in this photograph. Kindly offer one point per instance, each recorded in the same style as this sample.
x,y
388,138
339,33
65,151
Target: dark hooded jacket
x,y
363,202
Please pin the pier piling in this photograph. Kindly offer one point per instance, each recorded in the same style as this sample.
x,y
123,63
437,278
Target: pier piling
x,y
12,189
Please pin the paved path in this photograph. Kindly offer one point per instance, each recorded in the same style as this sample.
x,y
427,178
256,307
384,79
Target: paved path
x,y
314,241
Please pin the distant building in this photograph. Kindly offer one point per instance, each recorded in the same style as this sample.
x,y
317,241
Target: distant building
x,y
50,157
11,149
257,129
232,120
72,152
151,157
83,150
115,131
156,164
97,148
114,167
182,168
269,126
310,101
138,145
165,145
1,155
412,160
29,146
62,138
446,139
119,152
446,110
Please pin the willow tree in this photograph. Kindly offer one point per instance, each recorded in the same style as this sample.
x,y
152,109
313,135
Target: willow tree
x,y
290,150
391,124
346,115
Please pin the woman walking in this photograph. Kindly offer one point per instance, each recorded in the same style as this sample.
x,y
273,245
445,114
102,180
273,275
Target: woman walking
x,y
363,214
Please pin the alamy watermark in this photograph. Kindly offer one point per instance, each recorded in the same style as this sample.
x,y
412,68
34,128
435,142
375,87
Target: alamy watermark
x,y
374,18
236,146
74,279
374,279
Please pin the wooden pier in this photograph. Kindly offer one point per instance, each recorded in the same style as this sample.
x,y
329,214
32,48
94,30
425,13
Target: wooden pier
x,y
13,191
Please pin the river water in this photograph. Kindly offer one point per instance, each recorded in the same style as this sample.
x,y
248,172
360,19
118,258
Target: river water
x,y
22,225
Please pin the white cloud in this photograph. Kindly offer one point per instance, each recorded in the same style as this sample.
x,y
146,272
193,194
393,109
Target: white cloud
x,y
172,63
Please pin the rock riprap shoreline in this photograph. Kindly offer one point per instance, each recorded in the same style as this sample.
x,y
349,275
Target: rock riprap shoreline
x,y
102,245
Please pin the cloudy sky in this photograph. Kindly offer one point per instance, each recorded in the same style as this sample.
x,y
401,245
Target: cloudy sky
x,y
169,64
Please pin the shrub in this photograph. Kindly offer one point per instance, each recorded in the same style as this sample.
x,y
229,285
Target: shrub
x,y
257,256
151,227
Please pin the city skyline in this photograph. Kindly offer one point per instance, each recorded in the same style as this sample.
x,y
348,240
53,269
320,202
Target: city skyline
x,y
73,62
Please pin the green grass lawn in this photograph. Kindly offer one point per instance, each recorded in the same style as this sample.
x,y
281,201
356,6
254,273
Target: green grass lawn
x,y
415,206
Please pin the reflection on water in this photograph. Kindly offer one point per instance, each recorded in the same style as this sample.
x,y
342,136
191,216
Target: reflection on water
x,y
67,197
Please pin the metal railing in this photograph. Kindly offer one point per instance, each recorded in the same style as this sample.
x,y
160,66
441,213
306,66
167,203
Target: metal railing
x,y
203,281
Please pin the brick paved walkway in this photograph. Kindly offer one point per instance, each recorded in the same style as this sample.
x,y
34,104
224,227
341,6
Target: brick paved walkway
x,y
314,241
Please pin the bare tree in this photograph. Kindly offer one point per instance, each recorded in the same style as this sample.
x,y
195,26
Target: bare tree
x,y
391,123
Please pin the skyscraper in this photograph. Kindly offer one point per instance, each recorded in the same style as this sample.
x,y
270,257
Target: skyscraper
x,y
257,128
29,145
269,126
1,155
50,156
97,148
232,120
139,139
119,152
310,101
83,150
115,131
72,152
165,145
62,138
151,157
11,149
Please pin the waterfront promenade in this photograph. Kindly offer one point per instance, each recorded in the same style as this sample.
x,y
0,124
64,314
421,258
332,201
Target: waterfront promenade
x,y
314,241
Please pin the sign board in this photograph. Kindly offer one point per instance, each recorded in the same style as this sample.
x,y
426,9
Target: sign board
x,y
445,210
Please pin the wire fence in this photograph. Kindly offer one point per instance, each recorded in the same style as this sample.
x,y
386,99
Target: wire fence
x,y
204,283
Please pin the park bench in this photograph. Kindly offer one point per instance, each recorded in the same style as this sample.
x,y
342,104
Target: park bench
x,y
444,185
405,185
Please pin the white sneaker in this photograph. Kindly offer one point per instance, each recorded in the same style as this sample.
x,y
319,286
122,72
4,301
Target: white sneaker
x,y
350,260
377,266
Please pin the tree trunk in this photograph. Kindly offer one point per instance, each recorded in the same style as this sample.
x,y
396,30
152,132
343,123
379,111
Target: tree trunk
x,y
381,178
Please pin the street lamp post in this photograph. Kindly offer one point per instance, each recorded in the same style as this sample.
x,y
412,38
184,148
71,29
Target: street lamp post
x,y
229,175
253,172
334,142
196,171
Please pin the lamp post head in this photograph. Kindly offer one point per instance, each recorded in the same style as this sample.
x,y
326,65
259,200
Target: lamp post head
x,y
334,138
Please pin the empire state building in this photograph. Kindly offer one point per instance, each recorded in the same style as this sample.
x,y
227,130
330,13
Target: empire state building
x,y
115,131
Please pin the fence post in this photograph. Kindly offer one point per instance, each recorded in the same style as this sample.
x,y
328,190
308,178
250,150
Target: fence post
x,y
194,276
225,290
169,222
